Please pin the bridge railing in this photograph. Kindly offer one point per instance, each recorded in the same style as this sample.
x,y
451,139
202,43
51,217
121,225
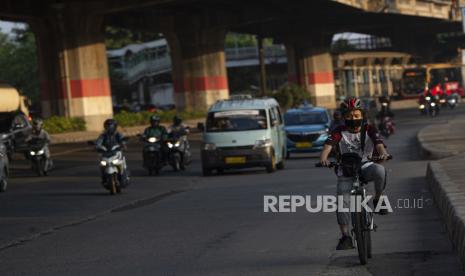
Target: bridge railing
x,y
144,63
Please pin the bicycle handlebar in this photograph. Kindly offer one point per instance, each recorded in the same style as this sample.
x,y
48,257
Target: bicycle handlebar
x,y
333,164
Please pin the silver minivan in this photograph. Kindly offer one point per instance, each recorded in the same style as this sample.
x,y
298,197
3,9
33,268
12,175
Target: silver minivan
x,y
241,133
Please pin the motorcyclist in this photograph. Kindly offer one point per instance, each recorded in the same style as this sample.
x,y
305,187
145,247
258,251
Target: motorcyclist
x,y
180,130
39,133
178,126
436,90
384,112
347,139
109,138
157,130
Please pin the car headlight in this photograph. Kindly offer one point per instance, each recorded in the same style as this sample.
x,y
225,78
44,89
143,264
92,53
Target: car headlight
x,y
116,162
177,144
103,163
40,152
152,139
263,143
170,145
209,146
32,153
3,136
384,104
442,100
422,106
452,100
428,98
433,104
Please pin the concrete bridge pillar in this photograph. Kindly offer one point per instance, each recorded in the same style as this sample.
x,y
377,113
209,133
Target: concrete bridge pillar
x,y
199,67
47,65
72,54
311,66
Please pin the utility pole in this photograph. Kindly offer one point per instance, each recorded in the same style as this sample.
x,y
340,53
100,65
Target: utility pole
x,y
261,58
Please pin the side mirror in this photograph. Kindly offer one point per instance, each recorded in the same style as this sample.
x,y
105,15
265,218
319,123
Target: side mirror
x,y
274,122
201,126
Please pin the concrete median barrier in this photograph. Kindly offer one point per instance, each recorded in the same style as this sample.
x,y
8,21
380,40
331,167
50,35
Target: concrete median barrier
x,y
83,136
450,198
446,176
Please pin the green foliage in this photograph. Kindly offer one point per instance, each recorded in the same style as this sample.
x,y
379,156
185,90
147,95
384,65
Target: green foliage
x,y
291,96
57,124
342,45
18,62
128,119
244,40
116,38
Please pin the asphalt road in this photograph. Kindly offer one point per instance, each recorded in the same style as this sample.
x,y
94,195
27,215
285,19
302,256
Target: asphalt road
x,y
185,224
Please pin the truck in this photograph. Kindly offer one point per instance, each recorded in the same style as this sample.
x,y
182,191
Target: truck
x,y
15,125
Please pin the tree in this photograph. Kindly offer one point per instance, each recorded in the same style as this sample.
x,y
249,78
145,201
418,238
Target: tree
x,y
342,45
18,62
116,38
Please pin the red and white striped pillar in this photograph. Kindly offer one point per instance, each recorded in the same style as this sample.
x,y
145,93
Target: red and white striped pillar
x,y
81,76
312,68
199,68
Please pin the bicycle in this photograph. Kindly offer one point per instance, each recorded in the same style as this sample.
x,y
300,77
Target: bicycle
x,y
362,222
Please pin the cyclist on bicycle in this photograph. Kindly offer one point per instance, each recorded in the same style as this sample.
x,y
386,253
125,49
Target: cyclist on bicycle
x,y
347,139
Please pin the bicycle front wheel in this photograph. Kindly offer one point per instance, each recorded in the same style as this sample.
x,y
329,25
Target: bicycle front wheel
x,y
361,236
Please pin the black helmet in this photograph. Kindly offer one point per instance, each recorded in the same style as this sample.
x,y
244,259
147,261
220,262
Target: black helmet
x,y
177,120
154,118
37,124
110,126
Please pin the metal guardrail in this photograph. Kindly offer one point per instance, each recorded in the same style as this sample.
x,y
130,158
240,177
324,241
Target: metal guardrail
x,y
143,64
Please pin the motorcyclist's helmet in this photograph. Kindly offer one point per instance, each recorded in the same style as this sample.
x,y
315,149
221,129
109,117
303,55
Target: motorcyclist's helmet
x,y
37,124
177,120
110,126
154,120
351,104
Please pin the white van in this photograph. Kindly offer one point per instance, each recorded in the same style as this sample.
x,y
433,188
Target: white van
x,y
242,133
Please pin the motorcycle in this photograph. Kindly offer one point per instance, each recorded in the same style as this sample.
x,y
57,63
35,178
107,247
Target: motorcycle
x,y
422,105
4,168
152,154
431,106
443,100
452,100
113,168
37,155
387,126
179,155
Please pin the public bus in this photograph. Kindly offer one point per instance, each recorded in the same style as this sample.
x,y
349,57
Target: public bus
x,y
414,80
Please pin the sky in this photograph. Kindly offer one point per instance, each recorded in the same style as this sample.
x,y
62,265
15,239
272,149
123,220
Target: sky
x,y
6,26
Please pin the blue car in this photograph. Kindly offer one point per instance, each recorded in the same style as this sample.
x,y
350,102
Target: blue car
x,y
307,129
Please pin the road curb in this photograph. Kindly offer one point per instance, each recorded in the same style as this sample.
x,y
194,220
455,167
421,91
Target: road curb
x,y
429,152
450,200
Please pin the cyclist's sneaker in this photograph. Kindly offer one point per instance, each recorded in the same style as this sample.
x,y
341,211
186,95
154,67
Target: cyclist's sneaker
x,y
382,211
345,243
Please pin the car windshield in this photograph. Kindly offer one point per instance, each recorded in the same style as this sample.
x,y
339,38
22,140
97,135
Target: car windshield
x,y
414,81
236,120
305,118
